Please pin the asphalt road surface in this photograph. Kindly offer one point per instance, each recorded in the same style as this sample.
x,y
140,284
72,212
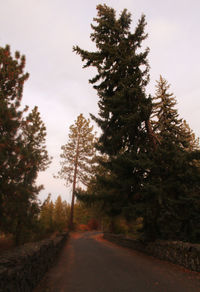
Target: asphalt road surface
x,y
89,263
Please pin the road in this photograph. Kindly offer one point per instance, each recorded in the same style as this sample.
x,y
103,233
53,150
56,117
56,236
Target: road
x,y
89,263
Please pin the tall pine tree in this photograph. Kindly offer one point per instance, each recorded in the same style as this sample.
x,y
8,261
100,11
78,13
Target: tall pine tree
x,y
124,109
78,156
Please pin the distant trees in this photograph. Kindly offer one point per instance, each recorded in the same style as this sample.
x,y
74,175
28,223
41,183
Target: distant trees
x,y
54,216
46,220
22,150
78,156
61,214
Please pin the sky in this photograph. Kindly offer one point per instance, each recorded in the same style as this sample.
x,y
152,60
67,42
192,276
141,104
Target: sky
x,y
45,32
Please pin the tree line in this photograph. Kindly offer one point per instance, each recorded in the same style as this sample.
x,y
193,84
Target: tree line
x,y
55,216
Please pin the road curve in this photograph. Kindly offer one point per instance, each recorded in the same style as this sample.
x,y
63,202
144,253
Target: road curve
x,y
88,263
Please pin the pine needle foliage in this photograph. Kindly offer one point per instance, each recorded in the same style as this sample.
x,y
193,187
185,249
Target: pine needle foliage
x,y
122,74
78,152
152,156
78,156
124,108
21,150
173,188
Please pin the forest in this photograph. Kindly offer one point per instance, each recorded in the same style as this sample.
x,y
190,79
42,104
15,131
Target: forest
x,y
140,176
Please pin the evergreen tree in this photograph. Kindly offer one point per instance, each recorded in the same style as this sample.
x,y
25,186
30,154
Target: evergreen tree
x,y
34,137
35,154
46,217
124,109
12,78
95,197
121,79
60,216
67,208
173,183
78,156
18,164
168,126
192,143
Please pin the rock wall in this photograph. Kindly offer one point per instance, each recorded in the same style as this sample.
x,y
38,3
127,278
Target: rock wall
x,y
22,268
177,252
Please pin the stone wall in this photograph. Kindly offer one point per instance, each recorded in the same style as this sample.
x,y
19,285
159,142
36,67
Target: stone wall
x,y
181,253
23,267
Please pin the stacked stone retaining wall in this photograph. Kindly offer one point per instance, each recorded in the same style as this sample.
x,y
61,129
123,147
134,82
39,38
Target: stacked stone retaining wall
x,y
177,252
23,267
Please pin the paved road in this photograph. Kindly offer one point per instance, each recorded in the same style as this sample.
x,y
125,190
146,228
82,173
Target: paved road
x,y
90,264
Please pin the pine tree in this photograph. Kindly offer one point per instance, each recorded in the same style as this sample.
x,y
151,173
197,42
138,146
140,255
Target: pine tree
x,y
18,165
121,79
46,218
78,156
60,216
124,109
168,126
12,78
191,142
36,155
173,187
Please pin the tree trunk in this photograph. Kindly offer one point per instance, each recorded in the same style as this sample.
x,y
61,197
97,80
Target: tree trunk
x,y
71,223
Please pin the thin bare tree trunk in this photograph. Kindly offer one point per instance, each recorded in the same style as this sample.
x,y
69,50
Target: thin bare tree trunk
x,y
71,223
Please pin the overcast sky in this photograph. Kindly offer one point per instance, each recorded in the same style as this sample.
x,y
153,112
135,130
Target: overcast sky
x,y
46,30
